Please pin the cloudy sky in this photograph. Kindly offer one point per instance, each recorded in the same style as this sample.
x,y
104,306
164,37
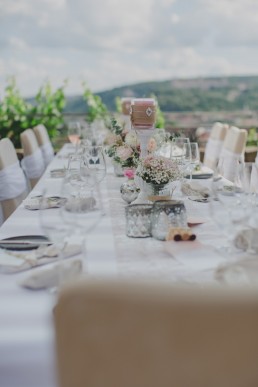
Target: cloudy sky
x,y
109,43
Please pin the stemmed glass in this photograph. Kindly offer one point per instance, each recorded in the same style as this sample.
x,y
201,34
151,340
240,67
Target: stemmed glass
x,y
229,208
73,173
195,158
74,133
181,152
93,165
51,219
84,211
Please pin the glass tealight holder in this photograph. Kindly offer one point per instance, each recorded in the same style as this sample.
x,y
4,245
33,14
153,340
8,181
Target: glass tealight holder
x,y
138,220
166,214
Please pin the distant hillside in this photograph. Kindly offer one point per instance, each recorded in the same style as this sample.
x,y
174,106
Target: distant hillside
x,y
200,94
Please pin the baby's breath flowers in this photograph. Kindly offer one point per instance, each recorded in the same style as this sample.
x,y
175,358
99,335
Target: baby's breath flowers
x,y
158,170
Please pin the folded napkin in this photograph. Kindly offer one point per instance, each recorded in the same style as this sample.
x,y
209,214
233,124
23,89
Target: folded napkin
x,y
36,202
51,277
195,189
16,261
57,173
243,272
247,239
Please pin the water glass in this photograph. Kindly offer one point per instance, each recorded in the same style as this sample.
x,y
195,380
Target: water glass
x,y
181,152
93,165
74,133
195,157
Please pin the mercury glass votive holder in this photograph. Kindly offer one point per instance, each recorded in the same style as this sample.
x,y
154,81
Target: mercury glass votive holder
x,y
138,220
166,214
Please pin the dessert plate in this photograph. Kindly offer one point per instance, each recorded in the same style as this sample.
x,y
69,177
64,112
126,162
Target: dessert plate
x,y
24,242
203,173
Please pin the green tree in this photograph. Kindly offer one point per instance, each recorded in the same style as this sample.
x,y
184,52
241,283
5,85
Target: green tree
x,y
16,114
49,108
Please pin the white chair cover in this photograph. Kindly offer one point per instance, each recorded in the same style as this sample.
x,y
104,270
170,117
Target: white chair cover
x,y
254,178
229,162
212,152
12,182
33,165
47,152
215,144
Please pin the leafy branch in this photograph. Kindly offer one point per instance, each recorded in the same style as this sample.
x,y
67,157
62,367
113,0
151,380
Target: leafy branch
x,y
97,110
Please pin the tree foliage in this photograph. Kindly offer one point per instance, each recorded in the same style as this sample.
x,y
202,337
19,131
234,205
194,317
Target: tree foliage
x,y
17,114
97,110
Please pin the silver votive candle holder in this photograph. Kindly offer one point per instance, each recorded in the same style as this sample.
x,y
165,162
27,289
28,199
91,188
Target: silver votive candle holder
x,y
166,214
138,220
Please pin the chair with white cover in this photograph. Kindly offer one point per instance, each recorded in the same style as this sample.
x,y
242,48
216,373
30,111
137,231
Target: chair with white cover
x,y
129,334
13,185
44,143
232,153
214,144
32,162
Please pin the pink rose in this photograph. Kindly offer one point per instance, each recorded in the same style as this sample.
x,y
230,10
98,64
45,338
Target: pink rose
x,y
124,152
129,173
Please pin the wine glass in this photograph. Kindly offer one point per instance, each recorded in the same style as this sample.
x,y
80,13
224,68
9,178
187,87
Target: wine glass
x,y
229,208
195,157
93,165
51,219
74,133
177,147
84,211
73,174
181,152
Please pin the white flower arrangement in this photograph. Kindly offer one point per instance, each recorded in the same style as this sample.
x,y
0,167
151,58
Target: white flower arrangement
x,y
122,146
158,170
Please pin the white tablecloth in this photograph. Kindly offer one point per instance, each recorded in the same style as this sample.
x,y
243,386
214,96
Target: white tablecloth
x,y
26,329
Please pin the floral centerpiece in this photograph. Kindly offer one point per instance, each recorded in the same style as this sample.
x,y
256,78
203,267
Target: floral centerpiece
x,y
157,172
122,146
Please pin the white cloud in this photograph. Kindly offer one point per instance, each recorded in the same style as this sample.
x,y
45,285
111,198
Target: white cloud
x,y
114,42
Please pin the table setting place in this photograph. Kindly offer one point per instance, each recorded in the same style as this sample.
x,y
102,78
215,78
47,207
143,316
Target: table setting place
x,y
161,214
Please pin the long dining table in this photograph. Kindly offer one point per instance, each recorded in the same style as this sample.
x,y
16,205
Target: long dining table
x,y
27,350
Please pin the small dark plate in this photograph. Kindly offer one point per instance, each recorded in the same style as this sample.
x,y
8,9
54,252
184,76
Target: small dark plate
x,y
200,176
33,242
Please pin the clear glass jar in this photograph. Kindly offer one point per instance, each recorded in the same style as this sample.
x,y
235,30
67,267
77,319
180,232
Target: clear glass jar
x,y
166,214
138,220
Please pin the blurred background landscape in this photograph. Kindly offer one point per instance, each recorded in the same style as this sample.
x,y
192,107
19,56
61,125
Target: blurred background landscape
x,y
199,58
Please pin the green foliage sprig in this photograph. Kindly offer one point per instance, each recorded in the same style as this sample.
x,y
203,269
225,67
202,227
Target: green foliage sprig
x,y
97,110
160,119
252,137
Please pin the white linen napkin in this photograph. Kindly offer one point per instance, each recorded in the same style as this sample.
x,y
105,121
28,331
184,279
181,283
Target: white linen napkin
x,y
50,277
195,189
16,261
36,202
247,239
